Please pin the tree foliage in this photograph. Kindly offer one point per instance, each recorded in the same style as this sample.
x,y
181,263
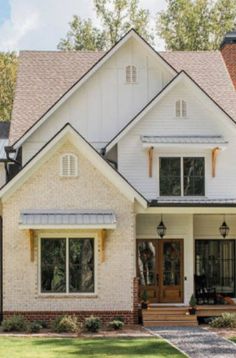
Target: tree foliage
x,y
116,18
8,69
196,24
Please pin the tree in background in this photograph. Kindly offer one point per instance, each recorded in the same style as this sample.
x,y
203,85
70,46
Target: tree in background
x,y
116,17
196,24
8,69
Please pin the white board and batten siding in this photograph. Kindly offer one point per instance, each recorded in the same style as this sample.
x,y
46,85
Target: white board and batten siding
x,y
161,120
105,103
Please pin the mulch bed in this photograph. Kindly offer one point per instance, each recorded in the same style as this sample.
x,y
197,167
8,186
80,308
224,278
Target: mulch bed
x,y
127,331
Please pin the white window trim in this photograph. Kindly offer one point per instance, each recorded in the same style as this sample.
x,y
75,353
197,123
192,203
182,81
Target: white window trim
x,y
132,81
61,165
182,156
67,236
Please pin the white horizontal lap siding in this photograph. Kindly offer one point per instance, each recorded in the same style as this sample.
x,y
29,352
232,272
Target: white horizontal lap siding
x,y
105,104
133,159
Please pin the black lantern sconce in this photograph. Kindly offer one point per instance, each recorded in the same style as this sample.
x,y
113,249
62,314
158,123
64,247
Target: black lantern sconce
x,y
161,229
224,229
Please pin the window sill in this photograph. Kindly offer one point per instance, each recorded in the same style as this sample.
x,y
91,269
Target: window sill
x,y
67,296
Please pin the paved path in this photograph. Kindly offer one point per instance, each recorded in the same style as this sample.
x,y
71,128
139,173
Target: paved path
x,y
197,342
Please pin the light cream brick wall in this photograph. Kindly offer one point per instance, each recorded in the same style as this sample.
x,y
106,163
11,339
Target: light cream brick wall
x,y
91,190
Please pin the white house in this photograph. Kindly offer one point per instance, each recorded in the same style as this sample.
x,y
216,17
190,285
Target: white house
x,y
118,180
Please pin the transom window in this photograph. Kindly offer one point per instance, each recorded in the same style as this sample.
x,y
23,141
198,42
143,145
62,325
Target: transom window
x,y
67,265
181,109
131,74
182,176
69,165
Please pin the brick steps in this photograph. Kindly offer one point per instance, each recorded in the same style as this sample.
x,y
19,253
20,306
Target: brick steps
x,y
169,317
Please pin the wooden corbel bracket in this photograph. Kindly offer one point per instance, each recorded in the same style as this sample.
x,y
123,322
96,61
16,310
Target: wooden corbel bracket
x,y
214,155
150,161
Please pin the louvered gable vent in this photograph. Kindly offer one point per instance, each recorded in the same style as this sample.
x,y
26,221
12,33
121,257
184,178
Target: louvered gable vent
x,y
69,165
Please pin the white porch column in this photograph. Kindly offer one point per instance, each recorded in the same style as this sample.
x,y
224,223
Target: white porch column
x,y
189,260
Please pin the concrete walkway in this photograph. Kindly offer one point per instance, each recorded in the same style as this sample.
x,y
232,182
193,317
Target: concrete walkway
x,y
197,342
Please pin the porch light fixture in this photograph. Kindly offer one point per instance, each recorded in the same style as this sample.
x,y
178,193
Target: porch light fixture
x,y
224,229
161,229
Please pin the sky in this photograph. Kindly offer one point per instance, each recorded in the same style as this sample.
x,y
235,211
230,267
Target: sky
x,y
40,24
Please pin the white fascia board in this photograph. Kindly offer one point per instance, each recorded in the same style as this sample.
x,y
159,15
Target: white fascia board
x,y
148,108
68,133
182,76
95,68
209,102
168,67
68,227
178,210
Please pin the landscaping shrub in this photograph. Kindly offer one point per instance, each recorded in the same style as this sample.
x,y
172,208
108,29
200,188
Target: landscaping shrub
x,y
15,323
65,324
226,320
92,324
116,325
42,323
34,327
118,318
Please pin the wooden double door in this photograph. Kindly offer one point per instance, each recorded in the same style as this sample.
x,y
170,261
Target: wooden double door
x,y
160,270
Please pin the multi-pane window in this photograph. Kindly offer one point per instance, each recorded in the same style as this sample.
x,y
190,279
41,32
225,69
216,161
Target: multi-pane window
x,y
215,266
181,109
182,176
67,265
194,176
131,74
170,176
69,165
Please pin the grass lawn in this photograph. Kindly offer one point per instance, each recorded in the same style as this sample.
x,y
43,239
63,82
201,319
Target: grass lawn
x,y
86,348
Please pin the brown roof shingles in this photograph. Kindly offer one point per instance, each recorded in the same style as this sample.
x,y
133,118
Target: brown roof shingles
x,y
44,77
208,69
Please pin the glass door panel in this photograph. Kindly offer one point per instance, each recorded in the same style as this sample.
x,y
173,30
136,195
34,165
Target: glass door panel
x,y
160,270
147,268
171,271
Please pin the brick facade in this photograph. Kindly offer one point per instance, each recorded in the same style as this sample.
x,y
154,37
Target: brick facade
x,y
229,55
130,317
45,189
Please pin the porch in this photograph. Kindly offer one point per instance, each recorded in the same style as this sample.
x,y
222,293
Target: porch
x,y
192,258
179,315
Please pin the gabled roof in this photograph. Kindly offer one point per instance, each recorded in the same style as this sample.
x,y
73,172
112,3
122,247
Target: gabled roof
x,y
68,132
208,69
44,84
181,76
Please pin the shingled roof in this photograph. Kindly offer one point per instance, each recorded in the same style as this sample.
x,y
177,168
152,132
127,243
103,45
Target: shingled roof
x,y
44,77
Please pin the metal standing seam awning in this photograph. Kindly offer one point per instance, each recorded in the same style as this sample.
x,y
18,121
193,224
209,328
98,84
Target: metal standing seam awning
x,y
67,219
169,141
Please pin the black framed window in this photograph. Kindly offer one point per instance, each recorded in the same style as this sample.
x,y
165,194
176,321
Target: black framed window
x,y
194,176
215,266
67,265
182,176
53,265
170,176
81,265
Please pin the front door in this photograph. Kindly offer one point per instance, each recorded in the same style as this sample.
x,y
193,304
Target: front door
x,y
160,270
